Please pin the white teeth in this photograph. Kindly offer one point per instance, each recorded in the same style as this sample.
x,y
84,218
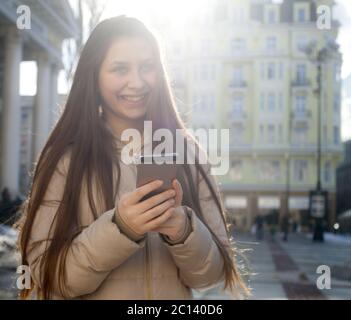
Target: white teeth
x,y
133,98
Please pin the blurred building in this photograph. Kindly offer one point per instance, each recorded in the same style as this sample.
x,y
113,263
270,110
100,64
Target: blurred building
x,y
343,187
26,122
242,65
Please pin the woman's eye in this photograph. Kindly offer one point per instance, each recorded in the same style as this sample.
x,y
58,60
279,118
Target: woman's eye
x,y
120,70
147,67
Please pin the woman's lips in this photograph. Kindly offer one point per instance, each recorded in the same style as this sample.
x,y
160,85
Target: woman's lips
x,y
133,99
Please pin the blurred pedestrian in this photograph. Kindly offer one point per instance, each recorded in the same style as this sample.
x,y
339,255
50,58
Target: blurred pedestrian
x,y
6,205
285,226
259,223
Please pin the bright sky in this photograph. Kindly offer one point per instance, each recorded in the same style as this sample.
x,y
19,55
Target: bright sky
x,y
178,11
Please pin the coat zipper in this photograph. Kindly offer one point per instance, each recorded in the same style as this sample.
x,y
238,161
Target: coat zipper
x,y
148,270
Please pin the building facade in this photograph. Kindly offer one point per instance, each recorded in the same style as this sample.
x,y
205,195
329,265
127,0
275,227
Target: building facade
x,y
243,65
343,186
26,122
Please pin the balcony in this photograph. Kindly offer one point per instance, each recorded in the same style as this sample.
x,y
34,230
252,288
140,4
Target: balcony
x,y
301,83
237,116
301,115
237,84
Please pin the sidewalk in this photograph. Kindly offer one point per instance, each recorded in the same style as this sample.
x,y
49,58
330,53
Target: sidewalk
x,y
287,270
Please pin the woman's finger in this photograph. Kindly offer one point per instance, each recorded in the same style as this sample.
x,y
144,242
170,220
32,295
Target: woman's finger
x,y
142,191
179,192
155,200
156,211
159,220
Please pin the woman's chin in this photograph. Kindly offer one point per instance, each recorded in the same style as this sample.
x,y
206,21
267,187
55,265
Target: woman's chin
x,y
135,114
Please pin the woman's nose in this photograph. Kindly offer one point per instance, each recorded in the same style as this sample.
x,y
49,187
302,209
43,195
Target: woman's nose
x,y
135,80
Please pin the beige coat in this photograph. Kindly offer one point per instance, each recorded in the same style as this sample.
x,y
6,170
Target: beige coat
x,y
103,263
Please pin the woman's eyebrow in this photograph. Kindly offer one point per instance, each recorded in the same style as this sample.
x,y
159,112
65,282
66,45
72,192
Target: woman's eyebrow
x,y
126,62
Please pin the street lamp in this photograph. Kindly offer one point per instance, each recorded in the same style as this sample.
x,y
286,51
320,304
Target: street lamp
x,y
318,197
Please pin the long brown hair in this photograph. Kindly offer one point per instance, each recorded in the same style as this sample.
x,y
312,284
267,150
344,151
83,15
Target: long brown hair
x,y
92,153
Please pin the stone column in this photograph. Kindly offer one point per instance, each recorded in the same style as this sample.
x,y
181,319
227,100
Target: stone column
x,y
250,210
54,95
11,114
42,109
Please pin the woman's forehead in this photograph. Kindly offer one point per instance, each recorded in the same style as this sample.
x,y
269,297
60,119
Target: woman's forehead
x,y
129,50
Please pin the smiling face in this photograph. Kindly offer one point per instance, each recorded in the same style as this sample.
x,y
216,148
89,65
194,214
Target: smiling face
x,y
127,76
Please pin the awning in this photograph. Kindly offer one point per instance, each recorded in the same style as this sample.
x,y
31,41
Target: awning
x,y
345,215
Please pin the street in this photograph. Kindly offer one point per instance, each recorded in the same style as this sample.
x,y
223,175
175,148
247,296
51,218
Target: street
x,y
287,270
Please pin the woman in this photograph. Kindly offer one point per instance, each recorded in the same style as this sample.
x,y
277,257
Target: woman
x,y
84,232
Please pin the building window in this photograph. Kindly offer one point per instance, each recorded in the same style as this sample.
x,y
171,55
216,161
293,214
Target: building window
x,y
238,105
300,105
301,73
177,48
238,15
212,102
272,16
238,75
271,70
271,43
237,134
271,102
204,103
280,132
262,97
213,71
204,72
302,43
336,103
262,67
205,46
336,135
300,135
281,70
221,12
195,72
336,72
271,133
236,170
269,170
281,102
325,134
327,172
301,15
238,45
300,170
262,137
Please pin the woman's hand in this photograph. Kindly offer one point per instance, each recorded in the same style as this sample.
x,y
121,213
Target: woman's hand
x,y
149,214
174,226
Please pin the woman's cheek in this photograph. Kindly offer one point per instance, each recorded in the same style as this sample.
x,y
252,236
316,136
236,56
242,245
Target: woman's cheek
x,y
152,79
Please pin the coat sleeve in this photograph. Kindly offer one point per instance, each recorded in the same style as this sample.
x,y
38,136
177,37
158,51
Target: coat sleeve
x,y
93,254
198,258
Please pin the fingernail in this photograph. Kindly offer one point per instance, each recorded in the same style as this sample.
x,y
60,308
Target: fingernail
x,y
159,182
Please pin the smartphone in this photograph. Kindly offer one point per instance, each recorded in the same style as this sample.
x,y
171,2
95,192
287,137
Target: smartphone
x,y
156,167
